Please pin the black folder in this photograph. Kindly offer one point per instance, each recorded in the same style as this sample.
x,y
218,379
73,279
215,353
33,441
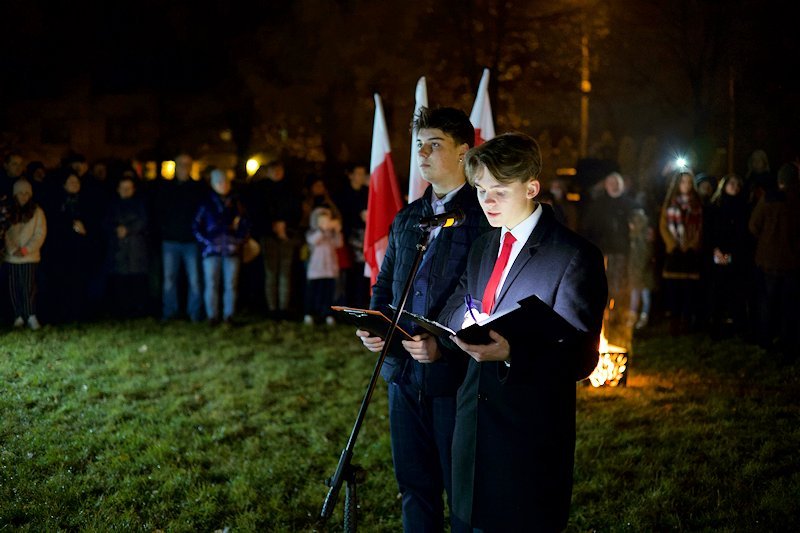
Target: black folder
x,y
373,321
530,315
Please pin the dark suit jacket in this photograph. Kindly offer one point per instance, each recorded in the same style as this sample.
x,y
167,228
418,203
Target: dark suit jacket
x,y
447,258
514,443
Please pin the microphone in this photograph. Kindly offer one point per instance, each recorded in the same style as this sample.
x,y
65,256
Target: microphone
x,y
450,219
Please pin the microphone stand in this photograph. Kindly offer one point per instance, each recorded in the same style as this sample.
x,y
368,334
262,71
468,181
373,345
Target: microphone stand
x,y
345,471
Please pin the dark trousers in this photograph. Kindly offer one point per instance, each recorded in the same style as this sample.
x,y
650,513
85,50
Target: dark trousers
x,y
278,257
778,318
22,288
682,295
422,436
727,299
319,296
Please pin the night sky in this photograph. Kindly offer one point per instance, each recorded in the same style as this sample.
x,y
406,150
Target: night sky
x,y
182,47
121,45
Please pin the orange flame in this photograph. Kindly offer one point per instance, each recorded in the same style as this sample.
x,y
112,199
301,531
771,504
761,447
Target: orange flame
x,y
611,366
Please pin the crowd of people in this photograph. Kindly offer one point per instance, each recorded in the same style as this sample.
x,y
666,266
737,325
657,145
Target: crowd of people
x,y
722,253
82,243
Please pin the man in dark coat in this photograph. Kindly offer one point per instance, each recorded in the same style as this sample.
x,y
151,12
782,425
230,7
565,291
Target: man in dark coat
x,y
423,378
176,203
606,225
775,223
514,441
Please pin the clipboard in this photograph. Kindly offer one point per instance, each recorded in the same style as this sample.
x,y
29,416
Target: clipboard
x,y
373,321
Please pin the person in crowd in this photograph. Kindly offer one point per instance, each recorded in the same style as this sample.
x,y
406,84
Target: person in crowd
x,y
352,202
279,244
681,229
706,185
96,195
221,228
564,209
36,173
13,167
11,171
175,206
728,245
23,242
605,224
316,195
641,268
759,177
126,226
324,237
775,223
423,379
514,441
68,255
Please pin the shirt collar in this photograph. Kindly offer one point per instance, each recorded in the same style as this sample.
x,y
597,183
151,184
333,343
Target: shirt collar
x,y
441,202
523,230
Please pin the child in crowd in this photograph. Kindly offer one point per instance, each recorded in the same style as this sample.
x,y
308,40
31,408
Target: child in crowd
x,y
23,240
324,236
641,267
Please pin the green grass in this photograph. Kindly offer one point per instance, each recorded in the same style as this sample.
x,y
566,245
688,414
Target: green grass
x,y
138,426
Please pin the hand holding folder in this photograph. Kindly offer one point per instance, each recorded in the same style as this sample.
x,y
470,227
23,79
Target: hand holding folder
x,y
530,315
373,321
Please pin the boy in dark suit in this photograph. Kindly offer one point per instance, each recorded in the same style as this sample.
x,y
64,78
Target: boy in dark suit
x,y
514,441
424,377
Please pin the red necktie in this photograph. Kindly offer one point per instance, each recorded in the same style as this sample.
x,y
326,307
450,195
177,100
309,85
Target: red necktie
x,y
497,273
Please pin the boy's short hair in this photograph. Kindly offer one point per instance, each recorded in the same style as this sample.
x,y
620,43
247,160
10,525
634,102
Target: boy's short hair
x,y
450,120
508,157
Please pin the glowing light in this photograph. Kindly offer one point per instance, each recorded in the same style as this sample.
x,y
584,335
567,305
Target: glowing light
x,y
168,169
252,166
150,168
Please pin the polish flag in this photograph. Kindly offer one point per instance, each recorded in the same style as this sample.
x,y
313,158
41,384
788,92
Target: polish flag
x,y
481,116
384,196
417,185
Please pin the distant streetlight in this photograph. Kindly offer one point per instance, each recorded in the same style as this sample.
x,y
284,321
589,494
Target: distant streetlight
x,y
168,169
252,166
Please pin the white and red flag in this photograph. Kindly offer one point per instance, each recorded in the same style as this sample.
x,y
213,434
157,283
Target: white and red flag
x,y
384,196
417,185
481,116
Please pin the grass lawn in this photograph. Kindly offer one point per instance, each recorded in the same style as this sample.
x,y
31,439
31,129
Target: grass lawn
x,y
139,426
